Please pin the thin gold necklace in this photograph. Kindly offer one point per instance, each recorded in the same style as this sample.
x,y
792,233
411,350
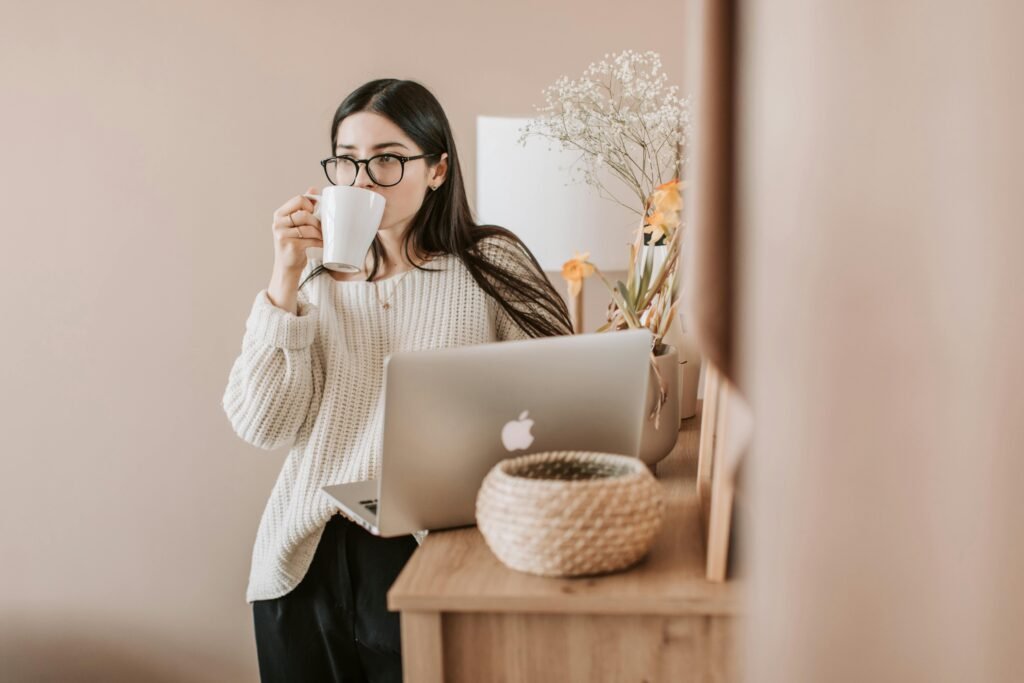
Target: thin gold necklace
x,y
387,304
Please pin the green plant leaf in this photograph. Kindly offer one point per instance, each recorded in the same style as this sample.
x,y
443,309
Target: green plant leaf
x,y
625,295
631,280
617,298
670,266
645,279
628,314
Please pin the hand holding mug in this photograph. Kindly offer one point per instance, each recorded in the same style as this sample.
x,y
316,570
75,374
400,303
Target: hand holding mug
x,y
296,227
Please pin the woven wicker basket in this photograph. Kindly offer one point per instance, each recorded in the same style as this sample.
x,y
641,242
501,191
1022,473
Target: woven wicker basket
x,y
570,513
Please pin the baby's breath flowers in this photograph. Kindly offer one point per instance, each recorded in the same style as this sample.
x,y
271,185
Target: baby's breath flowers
x,y
621,116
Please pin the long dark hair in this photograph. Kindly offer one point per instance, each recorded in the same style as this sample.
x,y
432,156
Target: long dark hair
x,y
444,224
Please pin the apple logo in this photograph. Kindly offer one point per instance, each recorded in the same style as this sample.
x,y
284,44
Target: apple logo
x,y
516,434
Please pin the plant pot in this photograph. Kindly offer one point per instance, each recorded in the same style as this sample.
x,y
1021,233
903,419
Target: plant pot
x,y
689,366
656,442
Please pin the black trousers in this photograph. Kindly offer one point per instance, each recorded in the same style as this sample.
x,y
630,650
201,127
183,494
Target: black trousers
x,y
334,626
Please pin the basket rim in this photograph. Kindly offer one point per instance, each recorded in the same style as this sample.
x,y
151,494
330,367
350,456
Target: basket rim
x,y
636,468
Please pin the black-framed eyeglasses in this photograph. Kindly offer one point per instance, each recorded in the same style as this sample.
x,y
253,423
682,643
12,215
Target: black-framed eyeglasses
x,y
384,169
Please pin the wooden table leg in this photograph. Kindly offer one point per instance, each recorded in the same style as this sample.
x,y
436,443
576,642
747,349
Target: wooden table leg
x,y
422,656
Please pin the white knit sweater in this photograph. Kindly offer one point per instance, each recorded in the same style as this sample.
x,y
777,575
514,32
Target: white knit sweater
x,y
315,380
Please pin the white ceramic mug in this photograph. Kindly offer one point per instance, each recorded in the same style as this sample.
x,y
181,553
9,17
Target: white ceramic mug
x,y
349,218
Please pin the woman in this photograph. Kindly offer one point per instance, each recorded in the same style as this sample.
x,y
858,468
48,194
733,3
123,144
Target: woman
x,y
310,373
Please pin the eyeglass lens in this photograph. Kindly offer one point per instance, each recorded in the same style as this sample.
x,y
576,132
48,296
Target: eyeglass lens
x,y
384,170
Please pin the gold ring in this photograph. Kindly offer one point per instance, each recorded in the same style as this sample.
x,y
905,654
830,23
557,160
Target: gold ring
x,y
292,219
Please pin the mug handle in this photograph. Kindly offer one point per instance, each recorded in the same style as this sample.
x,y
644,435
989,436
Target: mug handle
x,y
315,198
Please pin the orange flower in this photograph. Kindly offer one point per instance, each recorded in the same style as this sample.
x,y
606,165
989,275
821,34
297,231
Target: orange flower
x,y
576,270
659,225
665,205
667,197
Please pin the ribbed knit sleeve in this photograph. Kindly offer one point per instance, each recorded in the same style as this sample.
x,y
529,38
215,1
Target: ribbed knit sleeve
x,y
270,385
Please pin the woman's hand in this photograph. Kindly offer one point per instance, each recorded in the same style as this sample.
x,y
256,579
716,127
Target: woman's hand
x,y
295,228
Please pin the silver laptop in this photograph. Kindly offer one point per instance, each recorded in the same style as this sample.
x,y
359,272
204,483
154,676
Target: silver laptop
x,y
450,415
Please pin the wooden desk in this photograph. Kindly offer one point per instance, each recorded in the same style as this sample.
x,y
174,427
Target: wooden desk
x,y
466,617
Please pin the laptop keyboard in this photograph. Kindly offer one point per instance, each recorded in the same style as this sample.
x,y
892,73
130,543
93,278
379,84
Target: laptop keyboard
x,y
370,505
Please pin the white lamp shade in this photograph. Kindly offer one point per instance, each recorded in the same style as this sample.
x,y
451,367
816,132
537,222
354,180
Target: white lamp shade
x,y
529,190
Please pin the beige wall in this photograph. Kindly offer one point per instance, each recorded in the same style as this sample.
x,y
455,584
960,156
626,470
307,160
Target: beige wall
x,y
144,148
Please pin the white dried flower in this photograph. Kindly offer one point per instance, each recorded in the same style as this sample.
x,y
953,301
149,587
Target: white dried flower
x,y
622,115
